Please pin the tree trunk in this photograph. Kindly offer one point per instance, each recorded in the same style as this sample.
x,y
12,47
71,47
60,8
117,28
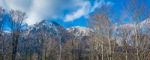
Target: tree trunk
x,y
14,45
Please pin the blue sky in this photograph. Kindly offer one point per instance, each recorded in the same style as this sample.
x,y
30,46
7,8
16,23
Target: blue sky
x,y
71,12
125,17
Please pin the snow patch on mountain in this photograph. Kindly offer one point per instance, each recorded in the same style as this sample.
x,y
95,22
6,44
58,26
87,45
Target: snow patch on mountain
x,y
125,31
80,31
145,23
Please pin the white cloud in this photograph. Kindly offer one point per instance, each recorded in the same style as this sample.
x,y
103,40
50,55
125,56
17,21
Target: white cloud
x,y
2,4
100,3
33,18
22,5
38,10
97,4
85,9
80,12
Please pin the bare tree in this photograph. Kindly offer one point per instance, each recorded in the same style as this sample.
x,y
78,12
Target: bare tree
x,y
139,12
102,25
1,30
17,18
143,45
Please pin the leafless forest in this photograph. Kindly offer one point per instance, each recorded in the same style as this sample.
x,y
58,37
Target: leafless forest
x,y
48,40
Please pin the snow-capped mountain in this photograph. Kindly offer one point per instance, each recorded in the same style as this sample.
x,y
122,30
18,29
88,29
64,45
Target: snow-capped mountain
x,y
145,22
125,31
132,27
80,31
145,26
50,27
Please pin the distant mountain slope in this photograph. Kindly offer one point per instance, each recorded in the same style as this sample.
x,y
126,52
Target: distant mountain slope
x,y
80,31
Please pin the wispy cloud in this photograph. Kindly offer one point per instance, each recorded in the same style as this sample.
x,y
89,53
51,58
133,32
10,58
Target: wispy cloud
x,y
85,9
80,12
